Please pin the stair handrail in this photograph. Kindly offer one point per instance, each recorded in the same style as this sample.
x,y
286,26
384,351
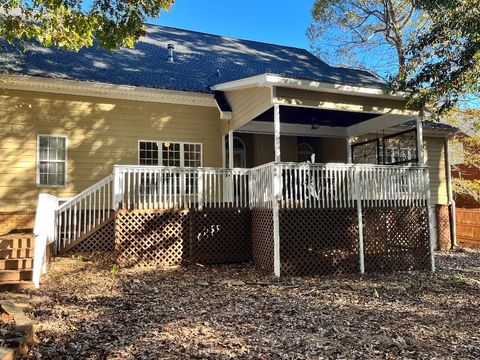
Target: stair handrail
x,y
71,216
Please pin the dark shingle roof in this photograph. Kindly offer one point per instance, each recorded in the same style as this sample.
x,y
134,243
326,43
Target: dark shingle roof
x,y
201,60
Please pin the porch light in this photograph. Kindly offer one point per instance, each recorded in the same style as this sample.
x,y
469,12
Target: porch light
x,y
314,125
167,145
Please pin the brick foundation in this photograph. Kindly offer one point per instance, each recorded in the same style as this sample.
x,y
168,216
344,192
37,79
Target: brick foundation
x,y
444,236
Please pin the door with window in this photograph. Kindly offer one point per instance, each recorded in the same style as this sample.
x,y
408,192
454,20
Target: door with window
x,y
169,154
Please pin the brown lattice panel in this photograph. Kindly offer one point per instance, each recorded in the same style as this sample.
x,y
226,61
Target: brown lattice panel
x,y
102,239
220,236
318,241
396,239
444,237
262,238
148,237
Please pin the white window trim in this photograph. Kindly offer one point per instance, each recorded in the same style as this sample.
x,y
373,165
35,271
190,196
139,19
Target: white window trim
x,y
160,154
37,176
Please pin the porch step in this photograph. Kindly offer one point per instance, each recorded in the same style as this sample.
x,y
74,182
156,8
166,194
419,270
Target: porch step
x,y
16,285
16,264
15,275
19,242
16,253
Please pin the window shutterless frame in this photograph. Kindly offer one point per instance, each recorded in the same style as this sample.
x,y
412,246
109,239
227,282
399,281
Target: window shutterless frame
x,y
37,162
160,148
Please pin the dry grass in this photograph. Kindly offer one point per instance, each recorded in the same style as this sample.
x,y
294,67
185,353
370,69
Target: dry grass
x,y
84,312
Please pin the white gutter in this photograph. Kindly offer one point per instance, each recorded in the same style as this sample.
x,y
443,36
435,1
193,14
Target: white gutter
x,y
110,91
451,201
270,80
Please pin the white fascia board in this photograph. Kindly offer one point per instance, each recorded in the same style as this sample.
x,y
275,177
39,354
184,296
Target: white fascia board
x,y
270,80
110,91
245,83
263,127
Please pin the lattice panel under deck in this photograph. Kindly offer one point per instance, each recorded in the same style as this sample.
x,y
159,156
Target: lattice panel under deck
x,y
147,237
318,241
101,240
262,238
220,236
396,239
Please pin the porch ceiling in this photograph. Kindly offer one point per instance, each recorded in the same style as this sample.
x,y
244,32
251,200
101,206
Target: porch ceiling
x,y
319,117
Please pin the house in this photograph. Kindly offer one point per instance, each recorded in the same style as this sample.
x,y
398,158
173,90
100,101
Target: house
x,y
202,148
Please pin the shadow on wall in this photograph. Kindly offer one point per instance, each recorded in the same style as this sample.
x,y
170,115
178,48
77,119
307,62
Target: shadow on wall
x,y
100,132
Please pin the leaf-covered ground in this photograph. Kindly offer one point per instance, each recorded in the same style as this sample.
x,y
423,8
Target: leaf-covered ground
x,y
85,312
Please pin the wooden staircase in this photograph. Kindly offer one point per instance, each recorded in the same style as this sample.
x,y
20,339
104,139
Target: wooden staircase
x,y
16,261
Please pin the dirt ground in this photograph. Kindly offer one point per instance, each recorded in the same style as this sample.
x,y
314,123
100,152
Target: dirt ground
x,y
87,311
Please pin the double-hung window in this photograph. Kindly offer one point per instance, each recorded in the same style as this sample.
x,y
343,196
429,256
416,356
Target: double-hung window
x,y
51,160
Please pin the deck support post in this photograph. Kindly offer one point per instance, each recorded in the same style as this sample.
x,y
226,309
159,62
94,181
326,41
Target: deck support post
x,y
421,162
277,184
361,247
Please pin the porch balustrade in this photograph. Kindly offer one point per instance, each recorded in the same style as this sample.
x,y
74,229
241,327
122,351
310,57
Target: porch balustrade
x,y
288,185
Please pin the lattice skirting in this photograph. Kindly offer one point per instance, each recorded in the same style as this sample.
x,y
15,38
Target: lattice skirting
x,y
396,239
146,237
220,236
444,236
102,240
262,238
318,241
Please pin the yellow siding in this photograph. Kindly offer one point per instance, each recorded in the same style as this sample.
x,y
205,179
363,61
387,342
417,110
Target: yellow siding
x,y
435,157
101,133
247,104
286,96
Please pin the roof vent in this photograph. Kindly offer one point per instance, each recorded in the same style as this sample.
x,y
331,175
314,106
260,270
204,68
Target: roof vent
x,y
171,49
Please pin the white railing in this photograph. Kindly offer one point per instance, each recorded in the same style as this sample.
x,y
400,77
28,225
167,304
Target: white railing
x,y
334,185
79,215
158,187
261,186
293,185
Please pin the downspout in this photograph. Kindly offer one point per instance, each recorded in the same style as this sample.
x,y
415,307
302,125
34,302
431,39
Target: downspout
x,y
451,201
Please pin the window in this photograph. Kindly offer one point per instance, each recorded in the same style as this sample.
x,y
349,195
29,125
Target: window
x,y
304,152
51,160
166,153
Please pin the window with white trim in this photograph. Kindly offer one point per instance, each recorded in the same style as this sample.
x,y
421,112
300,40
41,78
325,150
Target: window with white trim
x,y
165,153
51,160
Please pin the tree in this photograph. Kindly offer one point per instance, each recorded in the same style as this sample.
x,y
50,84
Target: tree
x,y
72,24
443,60
465,152
365,33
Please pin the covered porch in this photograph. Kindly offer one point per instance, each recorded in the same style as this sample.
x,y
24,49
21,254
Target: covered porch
x,y
352,196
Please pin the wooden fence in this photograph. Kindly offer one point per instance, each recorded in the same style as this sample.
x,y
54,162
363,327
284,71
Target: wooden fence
x,y
468,227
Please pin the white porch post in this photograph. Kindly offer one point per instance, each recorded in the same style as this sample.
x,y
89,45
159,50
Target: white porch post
x,y
230,149
421,162
224,144
421,157
277,183
349,150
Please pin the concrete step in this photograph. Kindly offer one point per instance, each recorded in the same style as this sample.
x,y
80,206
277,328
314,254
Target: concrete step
x,y
16,275
15,285
16,253
16,264
17,242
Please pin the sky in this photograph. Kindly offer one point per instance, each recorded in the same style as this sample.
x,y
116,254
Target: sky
x,y
274,21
